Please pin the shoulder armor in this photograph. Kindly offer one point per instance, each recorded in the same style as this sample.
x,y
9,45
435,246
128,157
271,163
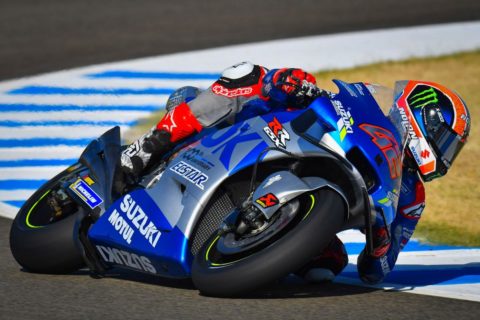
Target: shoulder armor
x,y
240,75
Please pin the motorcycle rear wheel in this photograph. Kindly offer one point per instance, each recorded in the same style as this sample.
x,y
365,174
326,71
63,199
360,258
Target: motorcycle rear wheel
x,y
305,238
41,244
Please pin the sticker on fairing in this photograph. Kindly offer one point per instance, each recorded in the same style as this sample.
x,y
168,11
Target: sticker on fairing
x,y
84,192
277,133
268,200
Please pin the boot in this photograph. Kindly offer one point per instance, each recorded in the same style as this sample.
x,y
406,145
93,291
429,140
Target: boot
x,y
139,157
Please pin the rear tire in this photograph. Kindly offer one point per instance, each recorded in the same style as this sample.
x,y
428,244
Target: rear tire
x,y
288,253
46,247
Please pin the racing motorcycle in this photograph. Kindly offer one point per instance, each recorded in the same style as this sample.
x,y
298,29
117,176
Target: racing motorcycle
x,y
235,208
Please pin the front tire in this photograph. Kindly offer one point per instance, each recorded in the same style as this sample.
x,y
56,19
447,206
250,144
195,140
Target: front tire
x,y
42,244
311,233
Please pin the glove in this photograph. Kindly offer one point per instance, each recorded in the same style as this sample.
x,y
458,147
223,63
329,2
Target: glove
x,y
299,86
308,92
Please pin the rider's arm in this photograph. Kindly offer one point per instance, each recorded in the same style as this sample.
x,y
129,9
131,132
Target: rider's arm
x,y
226,96
410,207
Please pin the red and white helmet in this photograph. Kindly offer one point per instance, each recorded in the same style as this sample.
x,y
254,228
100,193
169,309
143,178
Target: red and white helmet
x,y
438,125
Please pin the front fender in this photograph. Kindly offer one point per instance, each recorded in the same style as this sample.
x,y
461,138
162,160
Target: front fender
x,y
283,186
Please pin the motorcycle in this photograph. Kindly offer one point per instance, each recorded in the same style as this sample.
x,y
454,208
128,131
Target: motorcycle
x,y
235,208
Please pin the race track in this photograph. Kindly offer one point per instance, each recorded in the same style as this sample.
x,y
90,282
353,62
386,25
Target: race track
x,y
123,295
78,296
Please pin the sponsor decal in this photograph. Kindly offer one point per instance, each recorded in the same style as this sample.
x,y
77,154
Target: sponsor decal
x,y
85,193
384,264
122,226
359,88
74,167
406,235
227,144
422,98
132,149
196,156
391,198
370,88
268,200
267,88
277,133
136,215
230,93
190,173
414,212
425,154
167,122
127,259
88,180
406,124
272,180
345,123
349,90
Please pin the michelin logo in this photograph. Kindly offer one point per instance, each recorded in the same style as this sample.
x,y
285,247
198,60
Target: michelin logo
x,y
190,173
86,193
127,259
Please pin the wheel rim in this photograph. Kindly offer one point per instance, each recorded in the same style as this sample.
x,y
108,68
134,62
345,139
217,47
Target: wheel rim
x,y
43,212
224,250
32,208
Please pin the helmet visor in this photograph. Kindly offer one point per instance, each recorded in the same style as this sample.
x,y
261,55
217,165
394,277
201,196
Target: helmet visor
x,y
442,137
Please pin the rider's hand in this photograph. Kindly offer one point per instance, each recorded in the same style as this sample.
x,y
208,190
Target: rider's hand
x,y
309,91
299,86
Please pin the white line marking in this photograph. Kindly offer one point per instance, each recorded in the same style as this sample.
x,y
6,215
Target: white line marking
x,y
113,83
30,173
121,116
69,132
85,100
57,152
14,195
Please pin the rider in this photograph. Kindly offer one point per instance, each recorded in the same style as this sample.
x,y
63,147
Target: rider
x,y
246,90
436,122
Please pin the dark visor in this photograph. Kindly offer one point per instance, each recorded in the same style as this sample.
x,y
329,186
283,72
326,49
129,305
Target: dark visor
x,y
446,141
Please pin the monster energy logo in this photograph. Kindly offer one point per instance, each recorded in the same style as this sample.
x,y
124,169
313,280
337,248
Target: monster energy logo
x,y
424,98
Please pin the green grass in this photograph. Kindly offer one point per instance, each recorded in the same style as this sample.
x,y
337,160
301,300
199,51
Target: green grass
x,y
445,233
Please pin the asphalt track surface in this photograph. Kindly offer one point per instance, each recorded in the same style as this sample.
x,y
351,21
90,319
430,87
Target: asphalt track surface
x,y
41,36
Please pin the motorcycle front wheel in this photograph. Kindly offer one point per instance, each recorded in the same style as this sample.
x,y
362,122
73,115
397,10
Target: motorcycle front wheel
x,y
42,240
217,272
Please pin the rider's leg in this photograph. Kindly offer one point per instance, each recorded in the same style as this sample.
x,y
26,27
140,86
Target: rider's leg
x,y
176,125
374,268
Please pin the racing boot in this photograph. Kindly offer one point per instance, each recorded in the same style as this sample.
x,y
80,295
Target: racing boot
x,y
327,265
138,157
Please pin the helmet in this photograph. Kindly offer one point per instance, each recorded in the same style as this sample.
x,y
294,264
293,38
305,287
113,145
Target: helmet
x,y
437,123
290,86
